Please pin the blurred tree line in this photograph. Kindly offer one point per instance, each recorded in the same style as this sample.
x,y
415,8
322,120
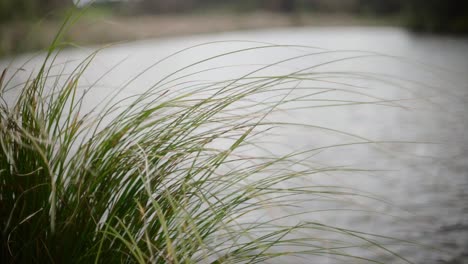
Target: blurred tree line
x,y
422,15
450,16
30,9
162,6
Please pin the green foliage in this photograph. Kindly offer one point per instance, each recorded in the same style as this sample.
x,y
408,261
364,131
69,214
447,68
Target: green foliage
x,y
30,9
439,16
380,7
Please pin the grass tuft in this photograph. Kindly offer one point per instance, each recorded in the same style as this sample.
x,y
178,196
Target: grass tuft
x,y
164,176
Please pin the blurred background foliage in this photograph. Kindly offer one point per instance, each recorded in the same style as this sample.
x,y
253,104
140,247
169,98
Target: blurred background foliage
x,y
30,9
423,15
449,16
17,17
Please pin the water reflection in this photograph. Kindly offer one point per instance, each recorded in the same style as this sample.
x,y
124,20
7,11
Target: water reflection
x,y
424,185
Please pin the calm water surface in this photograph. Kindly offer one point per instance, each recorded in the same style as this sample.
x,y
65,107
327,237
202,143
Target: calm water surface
x,y
424,185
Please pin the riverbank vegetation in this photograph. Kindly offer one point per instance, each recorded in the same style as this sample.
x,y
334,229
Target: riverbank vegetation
x,y
114,21
439,16
108,23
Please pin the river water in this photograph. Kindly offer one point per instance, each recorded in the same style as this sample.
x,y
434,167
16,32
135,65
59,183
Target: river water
x,y
423,179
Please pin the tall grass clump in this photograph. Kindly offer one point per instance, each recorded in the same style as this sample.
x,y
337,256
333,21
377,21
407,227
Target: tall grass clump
x,y
171,175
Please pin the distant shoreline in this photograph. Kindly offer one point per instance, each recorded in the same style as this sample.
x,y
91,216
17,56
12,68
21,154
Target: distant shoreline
x,y
18,37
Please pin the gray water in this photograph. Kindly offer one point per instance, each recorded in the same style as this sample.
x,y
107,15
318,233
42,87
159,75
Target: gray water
x,y
424,184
